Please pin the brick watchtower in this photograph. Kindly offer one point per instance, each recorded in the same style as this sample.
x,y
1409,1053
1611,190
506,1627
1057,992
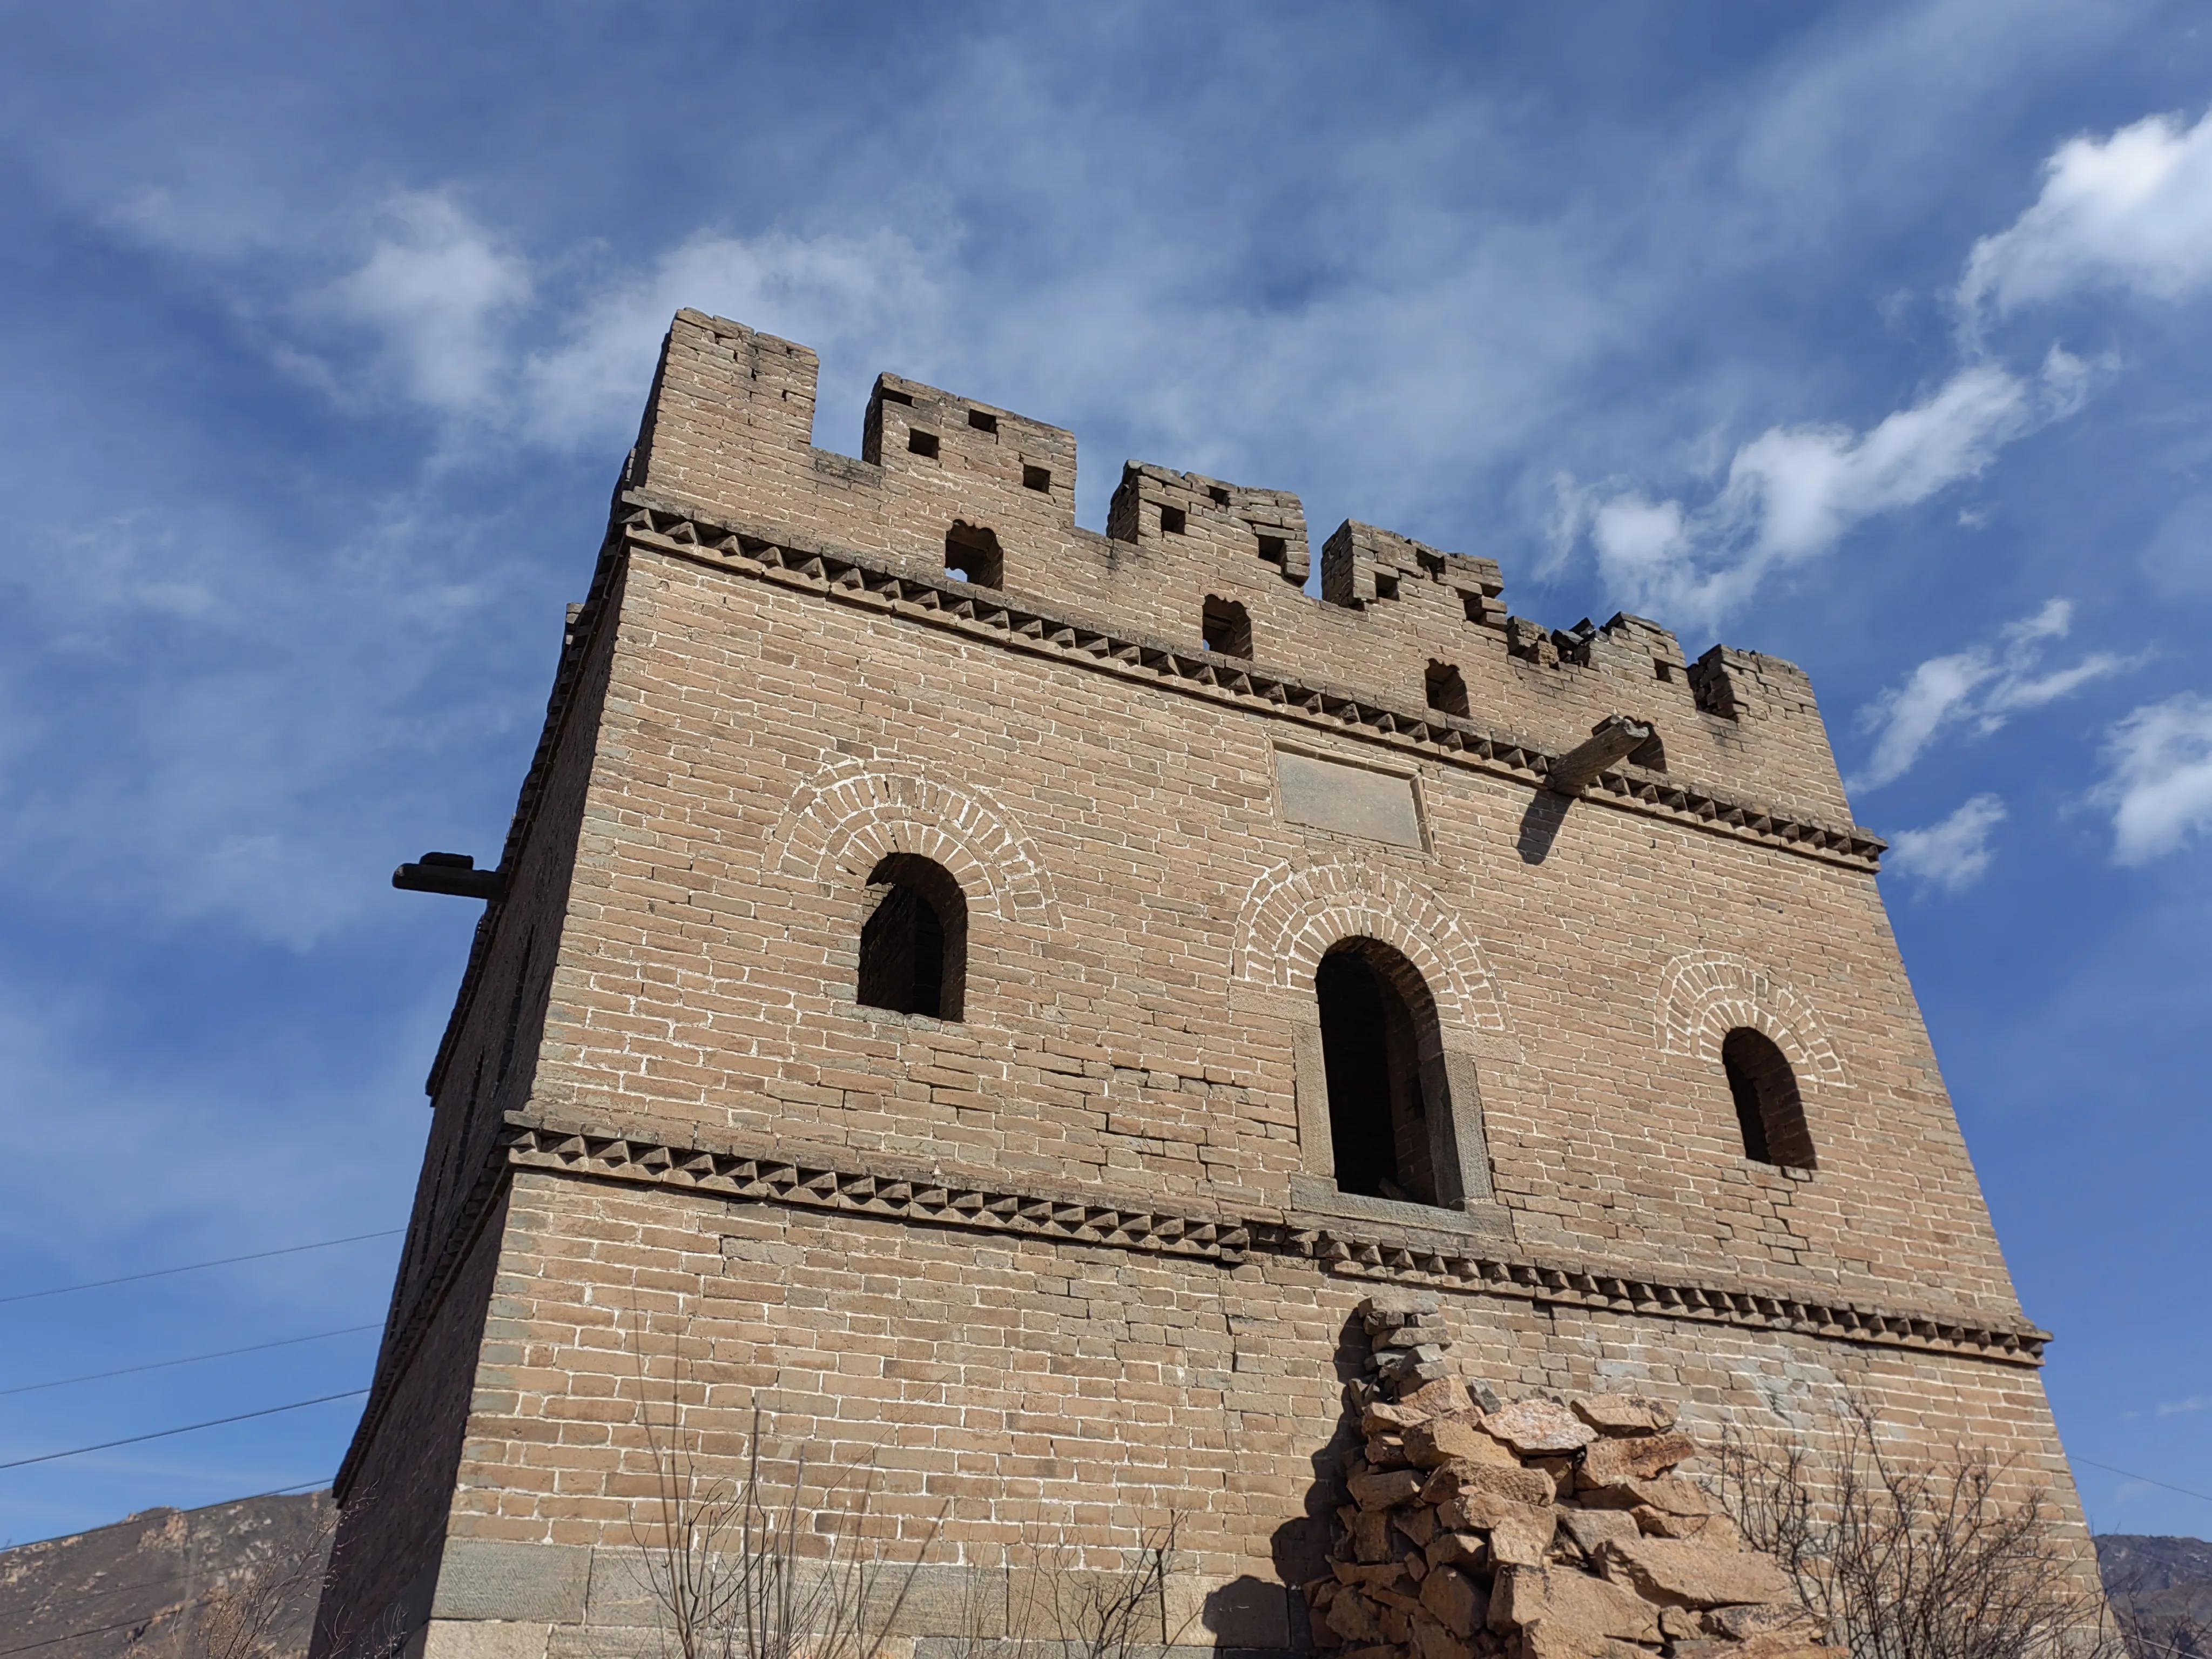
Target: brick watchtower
x,y
997,996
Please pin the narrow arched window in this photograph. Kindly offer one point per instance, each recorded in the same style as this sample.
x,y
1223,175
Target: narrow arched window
x,y
972,555
914,946
1227,627
1768,1108
1390,1121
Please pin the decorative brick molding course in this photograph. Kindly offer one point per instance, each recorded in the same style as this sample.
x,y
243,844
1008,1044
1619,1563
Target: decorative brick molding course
x,y
813,1179
857,811
1705,994
797,563
1292,916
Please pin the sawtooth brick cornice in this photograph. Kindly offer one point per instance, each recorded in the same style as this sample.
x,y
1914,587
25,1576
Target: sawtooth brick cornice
x,y
822,1179
801,564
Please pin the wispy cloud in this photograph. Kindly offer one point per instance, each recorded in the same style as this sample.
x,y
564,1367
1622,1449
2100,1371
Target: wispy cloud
x,y
1980,687
1794,492
1952,854
2195,1403
2158,781
2131,210
434,290
821,290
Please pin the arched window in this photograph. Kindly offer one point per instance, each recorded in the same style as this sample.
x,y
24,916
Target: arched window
x,y
1227,628
1389,1117
913,947
1768,1108
972,555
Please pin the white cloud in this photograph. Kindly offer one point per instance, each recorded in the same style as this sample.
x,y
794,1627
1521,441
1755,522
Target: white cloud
x,y
441,292
434,290
821,291
1982,686
1952,854
2159,780
1793,493
2195,1403
2131,211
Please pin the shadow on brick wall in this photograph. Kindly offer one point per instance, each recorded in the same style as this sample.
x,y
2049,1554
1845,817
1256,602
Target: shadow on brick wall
x,y
1255,1612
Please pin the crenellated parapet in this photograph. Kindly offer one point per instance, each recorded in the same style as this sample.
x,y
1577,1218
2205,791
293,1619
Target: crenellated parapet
x,y
946,483
1362,565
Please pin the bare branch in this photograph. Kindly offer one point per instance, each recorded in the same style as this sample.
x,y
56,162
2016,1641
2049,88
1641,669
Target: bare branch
x,y
728,1565
1959,1561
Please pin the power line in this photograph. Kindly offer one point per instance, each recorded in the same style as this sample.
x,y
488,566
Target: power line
x,y
56,1640
2146,1479
195,1266
163,1434
192,1360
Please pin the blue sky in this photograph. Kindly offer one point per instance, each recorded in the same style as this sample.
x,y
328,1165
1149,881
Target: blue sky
x,y
1873,336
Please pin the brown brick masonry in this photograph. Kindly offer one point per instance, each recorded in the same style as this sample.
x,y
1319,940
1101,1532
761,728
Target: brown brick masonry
x,y
803,564
787,1176
1078,1250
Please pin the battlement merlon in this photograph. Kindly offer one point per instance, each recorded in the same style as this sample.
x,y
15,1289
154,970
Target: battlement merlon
x,y
947,482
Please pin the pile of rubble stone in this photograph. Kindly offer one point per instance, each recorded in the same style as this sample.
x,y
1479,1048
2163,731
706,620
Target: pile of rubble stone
x,y
1534,1530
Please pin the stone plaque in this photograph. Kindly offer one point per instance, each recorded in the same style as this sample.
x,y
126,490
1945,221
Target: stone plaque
x,y
1352,800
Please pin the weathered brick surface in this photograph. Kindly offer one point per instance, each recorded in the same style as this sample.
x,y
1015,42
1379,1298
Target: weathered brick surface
x,y
735,741
1124,1021
392,1525
1039,1395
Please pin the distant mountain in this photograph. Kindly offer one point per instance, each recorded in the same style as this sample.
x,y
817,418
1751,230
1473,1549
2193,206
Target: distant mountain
x,y
2165,1586
141,1587
144,1585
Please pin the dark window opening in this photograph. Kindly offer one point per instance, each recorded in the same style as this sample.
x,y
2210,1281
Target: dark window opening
x,y
1382,1056
914,946
922,443
972,555
1472,603
1664,670
1171,520
1447,689
1650,754
892,396
1386,584
1227,628
982,420
1218,495
1273,549
1768,1108
1036,478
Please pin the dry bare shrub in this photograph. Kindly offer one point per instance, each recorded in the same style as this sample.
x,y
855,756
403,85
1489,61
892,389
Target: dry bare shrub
x,y
1959,1560
1119,1615
2162,1636
729,1569
1081,1612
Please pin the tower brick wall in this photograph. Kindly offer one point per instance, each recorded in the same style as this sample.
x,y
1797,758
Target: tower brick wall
x,y
1081,1257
